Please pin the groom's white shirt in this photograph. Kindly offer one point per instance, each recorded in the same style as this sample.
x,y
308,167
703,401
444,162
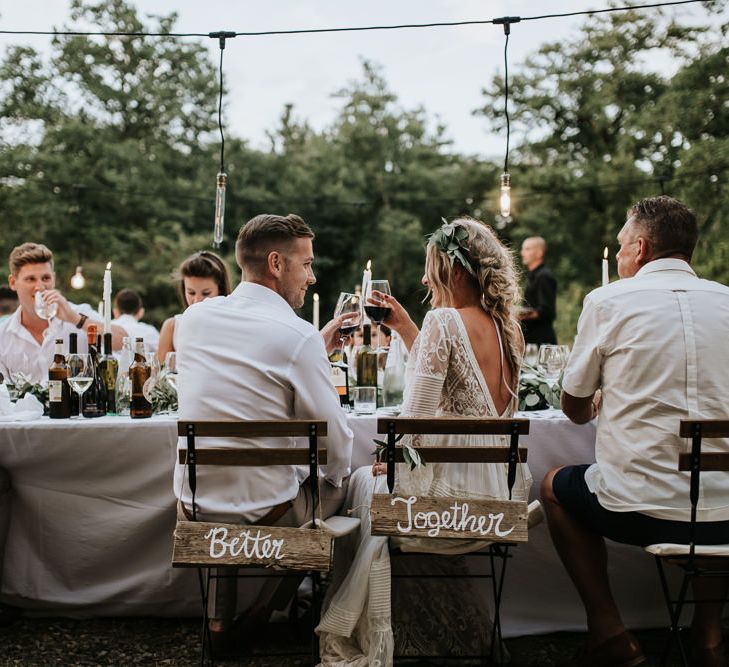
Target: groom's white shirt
x,y
249,356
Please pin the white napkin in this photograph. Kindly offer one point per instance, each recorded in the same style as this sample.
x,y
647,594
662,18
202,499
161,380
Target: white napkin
x,y
27,408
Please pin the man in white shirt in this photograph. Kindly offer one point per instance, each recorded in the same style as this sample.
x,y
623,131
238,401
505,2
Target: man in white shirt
x,y
655,345
26,340
128,312
249,356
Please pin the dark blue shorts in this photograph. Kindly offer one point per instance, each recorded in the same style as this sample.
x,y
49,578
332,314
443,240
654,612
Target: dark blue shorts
x,y
571,490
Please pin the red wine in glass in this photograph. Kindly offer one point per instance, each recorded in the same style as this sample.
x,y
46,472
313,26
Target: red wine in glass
x,y
377,314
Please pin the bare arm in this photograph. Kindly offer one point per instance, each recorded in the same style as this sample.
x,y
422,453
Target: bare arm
x,y
579,410
166,335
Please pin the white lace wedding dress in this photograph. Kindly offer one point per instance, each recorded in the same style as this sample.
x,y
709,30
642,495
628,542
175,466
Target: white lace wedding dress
x,y
443,380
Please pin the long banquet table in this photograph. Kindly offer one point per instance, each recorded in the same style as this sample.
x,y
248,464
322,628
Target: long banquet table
x,y
93,512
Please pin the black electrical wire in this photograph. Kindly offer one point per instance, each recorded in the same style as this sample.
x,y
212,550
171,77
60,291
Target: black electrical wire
x,y
506,97
220,110
310,31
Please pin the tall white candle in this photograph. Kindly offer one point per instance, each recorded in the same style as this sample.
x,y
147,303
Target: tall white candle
x,y
107,299
315,319
100,309
605,275
366,278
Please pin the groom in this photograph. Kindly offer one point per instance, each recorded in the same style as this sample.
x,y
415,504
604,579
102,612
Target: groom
x,y
249,356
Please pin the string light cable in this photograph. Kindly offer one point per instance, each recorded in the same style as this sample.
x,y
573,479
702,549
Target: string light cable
x,y
221,179
505,185
312,31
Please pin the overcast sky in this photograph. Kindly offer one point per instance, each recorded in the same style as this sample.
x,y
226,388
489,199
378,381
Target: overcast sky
x,y
442,69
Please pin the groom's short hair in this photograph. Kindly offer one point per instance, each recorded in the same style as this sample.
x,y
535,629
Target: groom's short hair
x,y
264,234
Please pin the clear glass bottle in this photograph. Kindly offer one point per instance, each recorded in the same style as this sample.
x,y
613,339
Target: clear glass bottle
x,y
123,392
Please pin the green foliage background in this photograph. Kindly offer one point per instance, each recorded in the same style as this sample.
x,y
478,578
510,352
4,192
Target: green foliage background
x,y
109,152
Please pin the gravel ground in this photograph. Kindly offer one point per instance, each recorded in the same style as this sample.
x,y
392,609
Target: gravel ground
x,y
175,643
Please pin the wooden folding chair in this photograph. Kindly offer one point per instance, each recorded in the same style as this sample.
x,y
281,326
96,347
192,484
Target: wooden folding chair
x,y
206,545
695,560
502,522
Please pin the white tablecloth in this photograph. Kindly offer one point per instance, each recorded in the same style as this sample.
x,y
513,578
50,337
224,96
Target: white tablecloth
x,y
93,513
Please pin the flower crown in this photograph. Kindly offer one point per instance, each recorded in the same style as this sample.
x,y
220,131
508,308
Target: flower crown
x,y
451,239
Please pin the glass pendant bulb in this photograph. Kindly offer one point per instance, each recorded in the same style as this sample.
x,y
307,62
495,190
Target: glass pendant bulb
x,y
78,280
219,209
505,195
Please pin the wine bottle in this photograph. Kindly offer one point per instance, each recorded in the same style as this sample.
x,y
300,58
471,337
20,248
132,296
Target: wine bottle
x,y
108,369
139,373
73,364
123,383
366,360
59,392
92,398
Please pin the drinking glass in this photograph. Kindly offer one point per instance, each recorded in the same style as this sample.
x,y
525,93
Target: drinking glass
x,y
365,400
46,311
531,354
377,309
551,360
80,376
171,368
350,305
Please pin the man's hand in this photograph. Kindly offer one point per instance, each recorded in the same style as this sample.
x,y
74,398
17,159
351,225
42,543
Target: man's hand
x,y
65,312
330,333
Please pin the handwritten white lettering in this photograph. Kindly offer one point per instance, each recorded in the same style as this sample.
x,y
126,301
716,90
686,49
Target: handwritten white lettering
x,y
457,520
258,547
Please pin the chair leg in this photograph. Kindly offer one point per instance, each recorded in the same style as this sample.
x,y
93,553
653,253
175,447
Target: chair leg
x,y
315,613
207,641
674,612
497,583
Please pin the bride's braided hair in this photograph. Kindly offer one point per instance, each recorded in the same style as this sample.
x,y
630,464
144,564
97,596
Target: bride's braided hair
x,y
493,268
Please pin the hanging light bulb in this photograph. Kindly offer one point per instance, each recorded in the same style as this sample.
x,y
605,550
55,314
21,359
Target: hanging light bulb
x,y
219,209
505,195
77,279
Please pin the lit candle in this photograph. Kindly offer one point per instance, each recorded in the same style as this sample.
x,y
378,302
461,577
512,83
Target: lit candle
x,y
107,299
605,276
315,320
366,278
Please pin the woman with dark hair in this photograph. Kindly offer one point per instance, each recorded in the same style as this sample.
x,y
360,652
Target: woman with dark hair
x,y
201,276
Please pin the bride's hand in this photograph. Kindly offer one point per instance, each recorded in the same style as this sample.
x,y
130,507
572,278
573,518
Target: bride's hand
x,y
398,318
379,469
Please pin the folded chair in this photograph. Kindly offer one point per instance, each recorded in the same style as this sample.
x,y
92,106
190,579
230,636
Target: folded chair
x,y
695,560
206,545
500,523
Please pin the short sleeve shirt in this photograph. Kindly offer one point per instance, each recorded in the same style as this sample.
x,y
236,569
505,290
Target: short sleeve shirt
x,y
657,345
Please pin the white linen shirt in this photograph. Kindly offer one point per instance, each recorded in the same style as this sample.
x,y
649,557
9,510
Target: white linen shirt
x,y
658,347
19,351
136,329
249,356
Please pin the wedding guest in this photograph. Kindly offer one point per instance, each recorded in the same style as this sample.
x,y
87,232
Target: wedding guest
x,y
128,313
655,344
540,294
8,302
249,356
201,276
463,363
26,340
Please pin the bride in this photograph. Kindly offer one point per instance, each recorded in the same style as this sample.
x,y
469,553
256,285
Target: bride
x,y
464,362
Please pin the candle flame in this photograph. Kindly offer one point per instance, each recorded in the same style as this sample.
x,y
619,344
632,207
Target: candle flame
x,y
369,264
108,266
605,253
316,297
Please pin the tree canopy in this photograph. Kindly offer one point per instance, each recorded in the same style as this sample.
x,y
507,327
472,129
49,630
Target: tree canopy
x,y
110,149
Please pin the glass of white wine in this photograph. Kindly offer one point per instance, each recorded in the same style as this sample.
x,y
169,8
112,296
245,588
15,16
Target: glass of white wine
x,y
171,368
46,311
80,376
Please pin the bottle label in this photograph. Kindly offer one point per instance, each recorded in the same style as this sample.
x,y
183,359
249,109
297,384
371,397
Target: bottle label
x,y
55,391
147,389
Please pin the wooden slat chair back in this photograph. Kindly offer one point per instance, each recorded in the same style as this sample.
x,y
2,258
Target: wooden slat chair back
x,y
501,522
696,560
206,545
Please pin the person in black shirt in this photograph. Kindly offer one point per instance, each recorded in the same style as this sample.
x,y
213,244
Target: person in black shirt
x,y
540,294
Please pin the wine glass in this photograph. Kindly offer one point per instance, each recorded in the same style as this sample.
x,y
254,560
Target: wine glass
x,y
171,368
350,305
552,360
46,311
377,309
80,376
531,354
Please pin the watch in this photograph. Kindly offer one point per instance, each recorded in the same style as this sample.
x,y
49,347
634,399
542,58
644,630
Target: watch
x,y
80,323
